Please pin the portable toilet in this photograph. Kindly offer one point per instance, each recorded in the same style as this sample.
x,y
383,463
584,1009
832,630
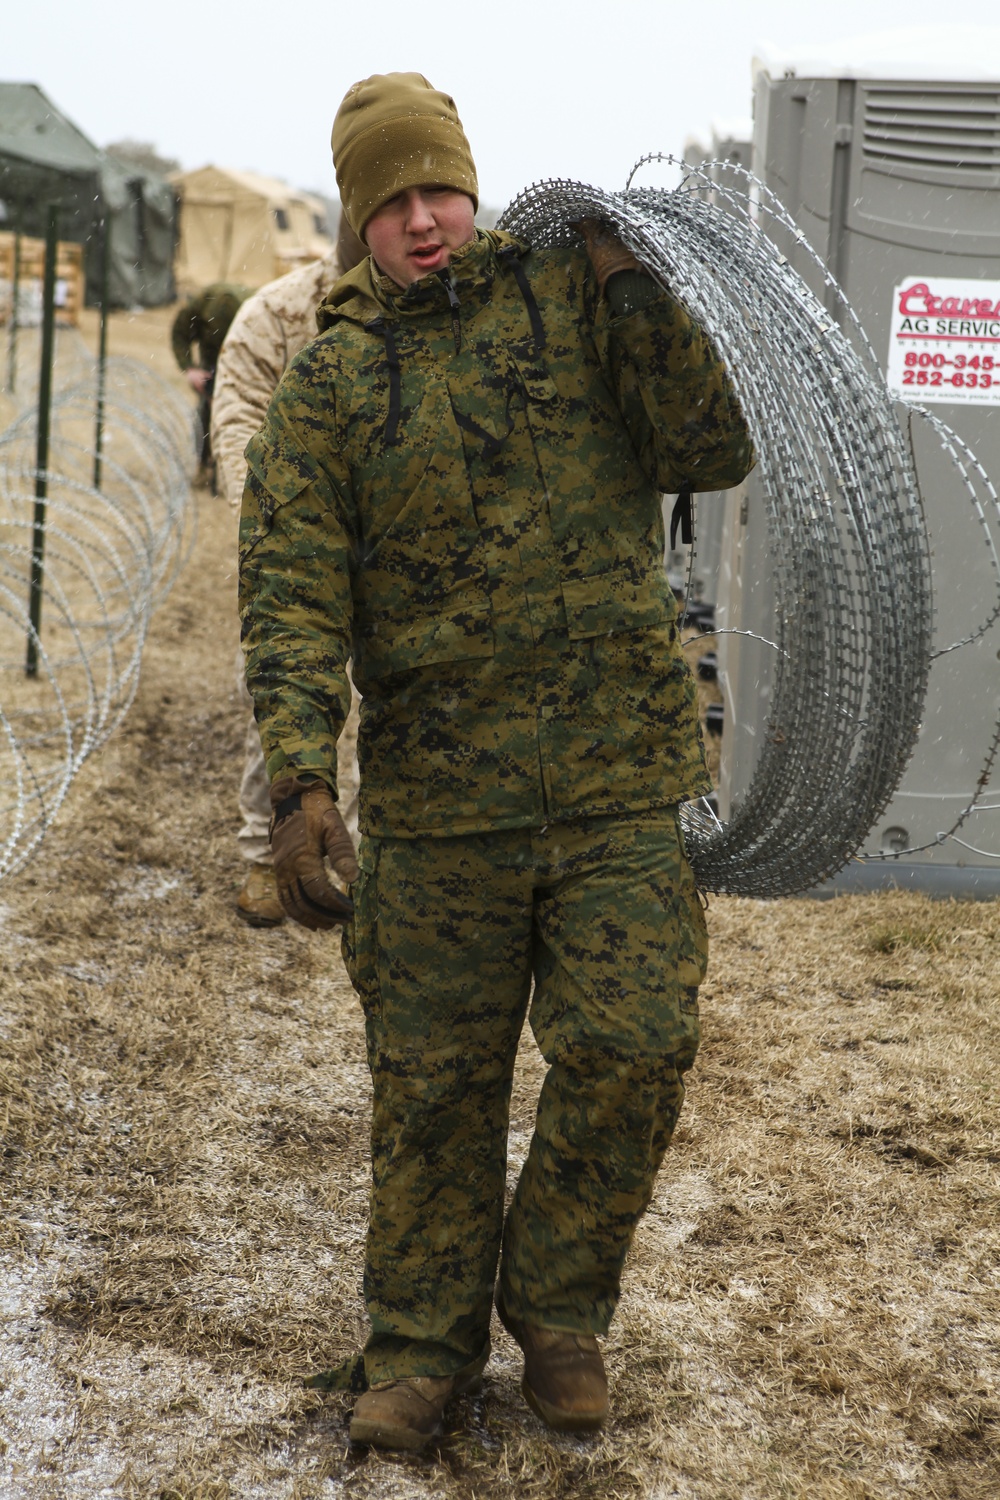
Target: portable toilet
x,y
886,152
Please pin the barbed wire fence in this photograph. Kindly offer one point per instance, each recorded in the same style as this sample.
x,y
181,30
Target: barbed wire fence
x,y
111,553
852,647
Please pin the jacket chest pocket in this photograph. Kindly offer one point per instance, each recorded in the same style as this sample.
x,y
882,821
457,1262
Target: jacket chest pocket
x,y
420,594
419,535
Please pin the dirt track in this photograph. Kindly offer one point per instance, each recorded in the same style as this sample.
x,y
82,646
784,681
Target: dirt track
x,y
812,1308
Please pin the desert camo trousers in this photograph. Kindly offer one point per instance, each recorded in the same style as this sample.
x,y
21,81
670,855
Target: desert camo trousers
x,y
446,938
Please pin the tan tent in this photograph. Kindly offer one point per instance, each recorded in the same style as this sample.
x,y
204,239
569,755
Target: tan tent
x,y
236,226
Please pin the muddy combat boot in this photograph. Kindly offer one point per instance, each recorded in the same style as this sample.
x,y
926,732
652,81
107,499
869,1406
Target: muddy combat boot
x,y
407,1413
564,1381
257,903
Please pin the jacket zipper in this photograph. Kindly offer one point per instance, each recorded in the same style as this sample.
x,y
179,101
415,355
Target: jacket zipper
x,y
456,307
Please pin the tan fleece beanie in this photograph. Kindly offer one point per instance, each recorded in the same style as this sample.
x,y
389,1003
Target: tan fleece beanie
x,y
394,131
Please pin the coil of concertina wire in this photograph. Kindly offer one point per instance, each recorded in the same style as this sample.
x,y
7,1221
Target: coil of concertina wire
x,y
111,553
851,569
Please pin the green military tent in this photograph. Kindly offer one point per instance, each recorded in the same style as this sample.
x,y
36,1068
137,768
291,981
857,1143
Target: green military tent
x,y
46,159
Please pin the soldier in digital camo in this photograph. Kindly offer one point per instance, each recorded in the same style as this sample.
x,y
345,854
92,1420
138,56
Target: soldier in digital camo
x,y
204,320
460,482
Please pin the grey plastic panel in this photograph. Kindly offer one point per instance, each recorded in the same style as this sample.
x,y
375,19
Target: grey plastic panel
x,y
887,179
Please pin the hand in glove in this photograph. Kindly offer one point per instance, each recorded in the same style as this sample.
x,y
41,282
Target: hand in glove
x,y
607,253
306,828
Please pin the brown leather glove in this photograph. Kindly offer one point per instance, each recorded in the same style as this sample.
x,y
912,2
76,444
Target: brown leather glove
x,y
606,251
306,828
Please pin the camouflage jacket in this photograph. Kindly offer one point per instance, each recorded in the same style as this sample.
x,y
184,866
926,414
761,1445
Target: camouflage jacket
x,y
461,484
269,329
204,320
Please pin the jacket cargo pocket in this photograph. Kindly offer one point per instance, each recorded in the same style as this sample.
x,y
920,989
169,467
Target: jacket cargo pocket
x,y
388,646
615,601
360,943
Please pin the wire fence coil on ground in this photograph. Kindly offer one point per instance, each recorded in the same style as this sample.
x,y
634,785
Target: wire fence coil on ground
x,y
110,555
851,565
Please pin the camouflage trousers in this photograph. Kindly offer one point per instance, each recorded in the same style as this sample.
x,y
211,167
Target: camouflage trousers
x,y
447,936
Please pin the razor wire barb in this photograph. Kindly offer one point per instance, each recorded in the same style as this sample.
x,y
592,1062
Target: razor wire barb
x,y
851,566
111,554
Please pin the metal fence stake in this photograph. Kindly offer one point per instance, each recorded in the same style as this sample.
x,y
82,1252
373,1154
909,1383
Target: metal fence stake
x,y
15,285
102,353
42,449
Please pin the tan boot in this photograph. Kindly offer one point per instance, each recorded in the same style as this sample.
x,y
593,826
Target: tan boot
x,y
564,1379
257,903
407,1413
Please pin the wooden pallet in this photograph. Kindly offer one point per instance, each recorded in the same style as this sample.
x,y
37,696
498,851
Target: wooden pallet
x,y
31,271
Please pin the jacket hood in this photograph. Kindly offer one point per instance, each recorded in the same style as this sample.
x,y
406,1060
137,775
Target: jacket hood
x,y
365,294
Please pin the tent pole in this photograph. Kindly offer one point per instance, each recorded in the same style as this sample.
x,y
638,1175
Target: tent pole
x,y
42,449
15,284
102,355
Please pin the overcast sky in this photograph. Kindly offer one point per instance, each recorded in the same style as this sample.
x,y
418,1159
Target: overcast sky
x,y
545,88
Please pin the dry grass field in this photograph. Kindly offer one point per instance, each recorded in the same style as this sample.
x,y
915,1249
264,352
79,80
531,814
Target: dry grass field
x,y
812,1307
